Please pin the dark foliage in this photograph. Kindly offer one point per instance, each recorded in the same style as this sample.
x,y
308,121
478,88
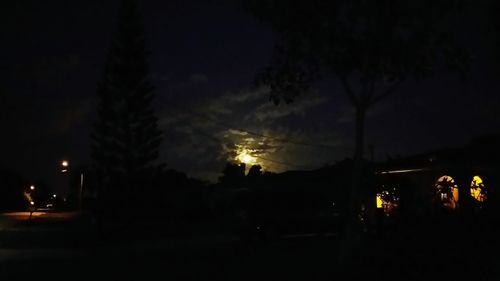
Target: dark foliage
x,y
371,47
126,137
12,187
233,174
255,171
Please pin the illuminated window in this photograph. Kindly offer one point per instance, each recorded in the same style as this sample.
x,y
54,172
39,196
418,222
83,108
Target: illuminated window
x,y
477,190
387,200
379,201
447,191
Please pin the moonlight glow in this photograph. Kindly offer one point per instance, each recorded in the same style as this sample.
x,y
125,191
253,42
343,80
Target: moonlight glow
x,y
245,157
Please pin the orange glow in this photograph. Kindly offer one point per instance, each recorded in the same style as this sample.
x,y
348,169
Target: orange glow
x,y
455,194
24,215
477,190
388,201
64,163
447,191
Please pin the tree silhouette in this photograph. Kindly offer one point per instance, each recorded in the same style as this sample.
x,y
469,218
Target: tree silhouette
x,y
371,47
255,171
126,137
12,186
489,9
232,174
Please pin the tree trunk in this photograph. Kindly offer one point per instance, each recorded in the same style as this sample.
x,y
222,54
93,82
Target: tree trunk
x,y
351,240
360,133
357,169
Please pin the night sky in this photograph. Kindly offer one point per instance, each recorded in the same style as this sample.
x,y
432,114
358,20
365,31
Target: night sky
x,y
204,58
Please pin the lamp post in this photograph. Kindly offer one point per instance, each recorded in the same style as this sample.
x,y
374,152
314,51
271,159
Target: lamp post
x,y
27,195
65,169
81,192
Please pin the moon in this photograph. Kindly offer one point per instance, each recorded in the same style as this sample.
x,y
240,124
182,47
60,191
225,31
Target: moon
x,y
245,157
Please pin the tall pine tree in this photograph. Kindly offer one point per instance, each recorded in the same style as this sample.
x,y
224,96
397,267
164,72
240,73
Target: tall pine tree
x,y
126,137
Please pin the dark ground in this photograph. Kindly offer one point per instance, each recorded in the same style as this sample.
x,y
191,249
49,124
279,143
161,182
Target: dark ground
x,y
443,247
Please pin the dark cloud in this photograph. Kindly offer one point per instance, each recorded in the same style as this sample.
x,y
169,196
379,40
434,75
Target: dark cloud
x,y
208,133
198,78
270,112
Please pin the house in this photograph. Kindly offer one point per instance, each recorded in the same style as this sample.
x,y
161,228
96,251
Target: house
x,y
459,179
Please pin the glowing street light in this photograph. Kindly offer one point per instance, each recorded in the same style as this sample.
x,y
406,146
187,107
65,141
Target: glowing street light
x,y
32,187
64,165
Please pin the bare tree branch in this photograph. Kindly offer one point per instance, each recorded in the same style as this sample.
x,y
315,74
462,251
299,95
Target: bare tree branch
x,y
350,93
386,93
371,89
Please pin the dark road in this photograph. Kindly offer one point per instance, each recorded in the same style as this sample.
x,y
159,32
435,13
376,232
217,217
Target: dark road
x,y
44,251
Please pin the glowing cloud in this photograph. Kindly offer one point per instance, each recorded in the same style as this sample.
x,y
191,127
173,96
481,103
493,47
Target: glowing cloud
x,y
243,155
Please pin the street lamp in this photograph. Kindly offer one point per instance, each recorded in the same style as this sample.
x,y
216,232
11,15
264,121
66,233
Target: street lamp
x,y
64,165
65,168
28,195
